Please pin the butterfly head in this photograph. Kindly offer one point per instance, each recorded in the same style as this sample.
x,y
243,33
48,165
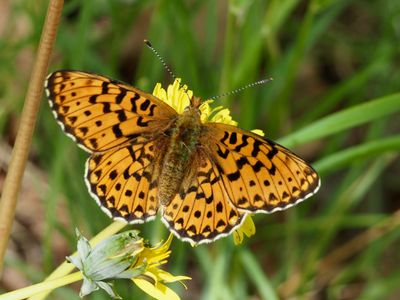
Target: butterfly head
x,y
195,102
193,107
192,113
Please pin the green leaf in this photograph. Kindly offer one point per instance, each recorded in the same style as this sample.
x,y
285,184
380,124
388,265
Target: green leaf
x,y
345,119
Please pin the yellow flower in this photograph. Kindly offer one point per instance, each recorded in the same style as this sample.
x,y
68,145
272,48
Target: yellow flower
x,y
125,256
178,97
152,280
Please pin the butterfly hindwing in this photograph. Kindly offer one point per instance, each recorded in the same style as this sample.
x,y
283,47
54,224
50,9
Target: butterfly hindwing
x,y
124,182
201,212
259,175
100,113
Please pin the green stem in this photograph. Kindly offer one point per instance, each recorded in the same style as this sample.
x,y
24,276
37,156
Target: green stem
x,y
41,287
345,119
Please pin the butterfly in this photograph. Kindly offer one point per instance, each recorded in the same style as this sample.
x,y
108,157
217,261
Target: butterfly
x,y
203,177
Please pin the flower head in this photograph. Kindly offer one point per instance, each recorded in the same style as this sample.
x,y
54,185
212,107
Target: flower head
x,y
153,279
179,97
124,255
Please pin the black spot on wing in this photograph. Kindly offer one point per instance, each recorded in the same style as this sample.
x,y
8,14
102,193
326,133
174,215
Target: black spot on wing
x,y
145,104
244,143
234,176
117,131
225,137
233,138
142,123
120,96
106,107
256,148
104,87
93,99
257,166
222,153
241,162
133,102
121,115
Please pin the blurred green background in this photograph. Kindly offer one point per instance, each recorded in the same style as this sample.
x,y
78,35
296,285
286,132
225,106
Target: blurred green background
x,y
334,101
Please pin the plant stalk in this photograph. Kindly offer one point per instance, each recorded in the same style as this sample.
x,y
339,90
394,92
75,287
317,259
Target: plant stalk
x,y
23,140
41,287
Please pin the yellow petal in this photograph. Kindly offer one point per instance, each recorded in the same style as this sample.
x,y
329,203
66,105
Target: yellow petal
x,y
258,131
176,95
166,276
205,110
223,116
150,277
160,252
237,237
248,228
164,247
158,291
160,93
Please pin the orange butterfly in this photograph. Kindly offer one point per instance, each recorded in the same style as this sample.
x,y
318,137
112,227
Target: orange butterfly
x,y
203,177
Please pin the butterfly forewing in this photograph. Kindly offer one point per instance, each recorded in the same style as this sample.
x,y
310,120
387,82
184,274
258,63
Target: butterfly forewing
x,y
258,174
100,113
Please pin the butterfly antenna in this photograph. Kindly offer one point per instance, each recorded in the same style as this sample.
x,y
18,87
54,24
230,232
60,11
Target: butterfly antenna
x,y
243,88
150,46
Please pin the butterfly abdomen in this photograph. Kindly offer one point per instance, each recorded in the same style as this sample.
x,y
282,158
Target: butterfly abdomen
x,y
184,138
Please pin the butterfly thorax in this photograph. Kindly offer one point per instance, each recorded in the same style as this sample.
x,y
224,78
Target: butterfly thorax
x,y
184,138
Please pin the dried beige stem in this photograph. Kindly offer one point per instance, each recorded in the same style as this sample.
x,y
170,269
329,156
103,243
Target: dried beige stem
x,y
28,119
